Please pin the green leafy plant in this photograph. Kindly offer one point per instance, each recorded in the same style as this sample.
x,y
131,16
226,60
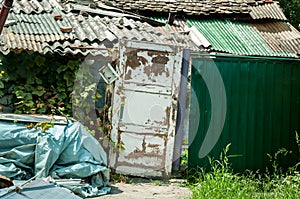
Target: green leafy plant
x,y
54,85
222,182
274,160
3,78
184,158
43,125
120,178
291,10
34,84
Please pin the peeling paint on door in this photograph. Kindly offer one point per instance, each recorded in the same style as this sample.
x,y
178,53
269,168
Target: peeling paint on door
x,y
144,109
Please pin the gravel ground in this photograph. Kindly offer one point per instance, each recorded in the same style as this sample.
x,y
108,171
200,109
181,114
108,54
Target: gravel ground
x,y
148,189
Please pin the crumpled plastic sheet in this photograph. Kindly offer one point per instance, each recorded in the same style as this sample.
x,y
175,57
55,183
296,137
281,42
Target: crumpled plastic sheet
x,y
64,151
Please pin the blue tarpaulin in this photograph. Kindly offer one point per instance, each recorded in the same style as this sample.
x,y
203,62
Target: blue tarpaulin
x,y
39,189
63,151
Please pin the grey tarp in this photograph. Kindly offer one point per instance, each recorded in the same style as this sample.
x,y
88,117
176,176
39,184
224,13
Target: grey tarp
x,y
64,151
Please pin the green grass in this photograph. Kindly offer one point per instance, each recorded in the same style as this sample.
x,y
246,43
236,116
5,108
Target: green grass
x,y
222,182
156,182
229,185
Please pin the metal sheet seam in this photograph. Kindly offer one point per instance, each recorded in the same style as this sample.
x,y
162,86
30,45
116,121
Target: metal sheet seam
x,y
242,38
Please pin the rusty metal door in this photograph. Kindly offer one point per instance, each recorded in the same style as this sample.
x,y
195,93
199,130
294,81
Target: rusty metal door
x,y
144,109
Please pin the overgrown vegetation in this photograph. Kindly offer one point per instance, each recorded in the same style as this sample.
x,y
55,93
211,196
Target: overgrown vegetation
x,y
222,182
37,84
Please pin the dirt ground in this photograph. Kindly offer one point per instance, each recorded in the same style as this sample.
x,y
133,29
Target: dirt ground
x,y
148,189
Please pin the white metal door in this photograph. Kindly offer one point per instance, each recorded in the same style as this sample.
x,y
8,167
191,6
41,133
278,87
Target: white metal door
x,y
144,109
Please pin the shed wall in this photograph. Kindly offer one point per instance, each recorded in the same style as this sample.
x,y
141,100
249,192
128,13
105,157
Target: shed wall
x,y
262,110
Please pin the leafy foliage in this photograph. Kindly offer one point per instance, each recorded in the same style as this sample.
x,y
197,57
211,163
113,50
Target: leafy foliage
x,y
43,125
50,84
3,78
85,97
37,84
291,9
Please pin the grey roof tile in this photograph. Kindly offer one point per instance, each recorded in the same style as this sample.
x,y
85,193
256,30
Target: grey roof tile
x,y
205,8
40,32
279,36
32,29
35,6
267,11
38,23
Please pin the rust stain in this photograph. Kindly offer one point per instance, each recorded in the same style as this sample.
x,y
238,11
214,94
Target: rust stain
x,y
167,73
157,130
153,145
133,60
160,135
144,145
167,120
161,59
159,62
137,150
174,111
128,75
165,150
138,153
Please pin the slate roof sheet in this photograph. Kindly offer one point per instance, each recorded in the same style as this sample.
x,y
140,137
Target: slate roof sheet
x,y
267,11
31,26
43,25
90,34
32,32
35,6
279,36
254,8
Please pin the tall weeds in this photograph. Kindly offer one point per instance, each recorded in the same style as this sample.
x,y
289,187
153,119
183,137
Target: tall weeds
x,y
222,182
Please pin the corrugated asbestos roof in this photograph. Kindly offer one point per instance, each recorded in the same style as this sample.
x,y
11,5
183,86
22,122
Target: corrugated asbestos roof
x,y
97,34
205,8
78,47
267,11
182,32
246,39
91,28
258,9
90,34
43,25
97,27
35,6
31,32
279,36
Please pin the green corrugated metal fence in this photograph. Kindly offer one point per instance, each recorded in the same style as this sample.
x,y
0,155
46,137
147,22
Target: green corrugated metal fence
x,y
263,110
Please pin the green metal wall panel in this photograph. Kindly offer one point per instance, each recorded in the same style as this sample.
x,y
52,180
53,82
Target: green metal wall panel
x,y
263,110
